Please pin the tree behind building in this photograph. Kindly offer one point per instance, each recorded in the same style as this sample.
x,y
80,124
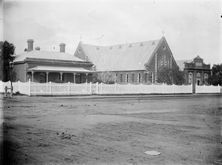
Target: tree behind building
x,y
216,77
7,57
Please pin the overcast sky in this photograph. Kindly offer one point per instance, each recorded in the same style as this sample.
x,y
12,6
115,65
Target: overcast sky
x,y
191,27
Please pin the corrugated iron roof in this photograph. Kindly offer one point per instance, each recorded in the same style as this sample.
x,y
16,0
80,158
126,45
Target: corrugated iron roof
x,y
46,55
130,56
60,69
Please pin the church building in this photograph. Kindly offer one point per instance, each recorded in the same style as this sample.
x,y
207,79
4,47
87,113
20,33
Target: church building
x,y
129,63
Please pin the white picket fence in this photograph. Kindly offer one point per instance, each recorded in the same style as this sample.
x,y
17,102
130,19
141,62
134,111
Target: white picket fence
x,y
32,88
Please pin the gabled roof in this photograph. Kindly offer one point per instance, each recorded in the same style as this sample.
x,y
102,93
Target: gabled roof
x,y
198,58
131,56
49,55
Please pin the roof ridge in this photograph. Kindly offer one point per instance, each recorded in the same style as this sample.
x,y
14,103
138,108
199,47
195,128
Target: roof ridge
x,y
45,51
105,46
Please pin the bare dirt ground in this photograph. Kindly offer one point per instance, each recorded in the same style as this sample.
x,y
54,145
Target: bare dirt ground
x,y
60,130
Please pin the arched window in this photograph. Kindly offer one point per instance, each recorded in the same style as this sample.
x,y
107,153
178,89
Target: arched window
x,y
198,74
205,76
190,78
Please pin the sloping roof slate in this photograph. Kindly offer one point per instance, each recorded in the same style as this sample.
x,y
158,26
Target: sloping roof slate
x,y
130,56
46,55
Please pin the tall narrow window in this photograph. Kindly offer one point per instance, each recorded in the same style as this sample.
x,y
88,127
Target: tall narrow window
x,y
165,60
190,78
127,78
133,77
121,77
146,77
139,77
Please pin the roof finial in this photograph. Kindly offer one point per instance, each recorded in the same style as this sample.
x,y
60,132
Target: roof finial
x,y
80,38
163,32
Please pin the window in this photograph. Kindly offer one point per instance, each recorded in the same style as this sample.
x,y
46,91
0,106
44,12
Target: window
x,y
146,77
150,76
165,60
198,64
121,77
190,78
198,74
205,78
164,47
127,78
139,77
162,61
133,77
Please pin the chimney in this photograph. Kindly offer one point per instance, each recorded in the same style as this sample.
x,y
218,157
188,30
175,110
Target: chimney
x,y
62,47
30,44
37,48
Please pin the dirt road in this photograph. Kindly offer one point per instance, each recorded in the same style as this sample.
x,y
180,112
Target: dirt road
x,y
56,130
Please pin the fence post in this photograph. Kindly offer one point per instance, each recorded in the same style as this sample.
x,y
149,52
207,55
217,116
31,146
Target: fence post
x,y
29,87
90,87
86,87
18,86
97,88
115,88
101,88
69,88
50,88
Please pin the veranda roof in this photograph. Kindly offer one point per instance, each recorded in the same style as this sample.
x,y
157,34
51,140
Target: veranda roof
x,y
60,69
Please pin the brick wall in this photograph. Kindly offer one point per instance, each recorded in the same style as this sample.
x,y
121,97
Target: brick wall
x,y
134,77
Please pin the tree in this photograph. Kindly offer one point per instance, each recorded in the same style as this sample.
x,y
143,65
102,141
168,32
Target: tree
x,y
7,57
104,77
170,76
216,77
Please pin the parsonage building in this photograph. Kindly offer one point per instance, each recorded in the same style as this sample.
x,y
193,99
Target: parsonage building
x,y
44,66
